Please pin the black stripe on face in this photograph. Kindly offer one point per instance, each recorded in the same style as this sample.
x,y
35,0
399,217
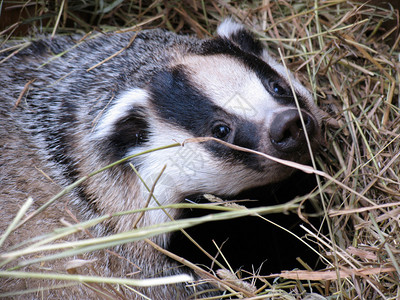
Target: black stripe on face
x,y
246,134
272,81
247,42
179,103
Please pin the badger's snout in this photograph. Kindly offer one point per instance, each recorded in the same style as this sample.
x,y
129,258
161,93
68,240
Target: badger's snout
x,y
287,132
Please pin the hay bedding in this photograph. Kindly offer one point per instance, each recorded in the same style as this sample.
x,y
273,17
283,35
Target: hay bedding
x,y
348,54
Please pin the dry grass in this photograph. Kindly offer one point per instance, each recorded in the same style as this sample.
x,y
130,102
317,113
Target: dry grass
x,y
343,53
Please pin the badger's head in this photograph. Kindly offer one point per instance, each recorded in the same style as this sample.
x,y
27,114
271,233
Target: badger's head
x,y
228,88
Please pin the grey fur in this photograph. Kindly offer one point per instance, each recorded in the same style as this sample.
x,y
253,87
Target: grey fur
x,y
54,130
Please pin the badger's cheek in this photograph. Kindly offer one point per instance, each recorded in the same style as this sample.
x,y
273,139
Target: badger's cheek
x,y
277,172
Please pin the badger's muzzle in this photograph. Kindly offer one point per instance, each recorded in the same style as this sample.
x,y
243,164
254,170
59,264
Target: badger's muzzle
x,y
287,133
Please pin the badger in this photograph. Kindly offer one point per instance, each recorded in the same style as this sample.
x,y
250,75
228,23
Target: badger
x,y
71,105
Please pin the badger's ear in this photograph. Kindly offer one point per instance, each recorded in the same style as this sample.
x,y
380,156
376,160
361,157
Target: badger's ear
x,y
236,33
124,125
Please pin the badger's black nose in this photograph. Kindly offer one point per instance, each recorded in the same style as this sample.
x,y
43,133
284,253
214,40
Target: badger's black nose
x,y
287,132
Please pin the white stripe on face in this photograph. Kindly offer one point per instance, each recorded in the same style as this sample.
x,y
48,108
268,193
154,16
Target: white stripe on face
x,y
232,86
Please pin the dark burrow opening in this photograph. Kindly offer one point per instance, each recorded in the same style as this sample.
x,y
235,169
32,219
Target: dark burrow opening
x,y
250,243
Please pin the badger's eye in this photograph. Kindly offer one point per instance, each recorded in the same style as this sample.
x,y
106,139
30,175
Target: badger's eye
x,y
220,131
278,89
